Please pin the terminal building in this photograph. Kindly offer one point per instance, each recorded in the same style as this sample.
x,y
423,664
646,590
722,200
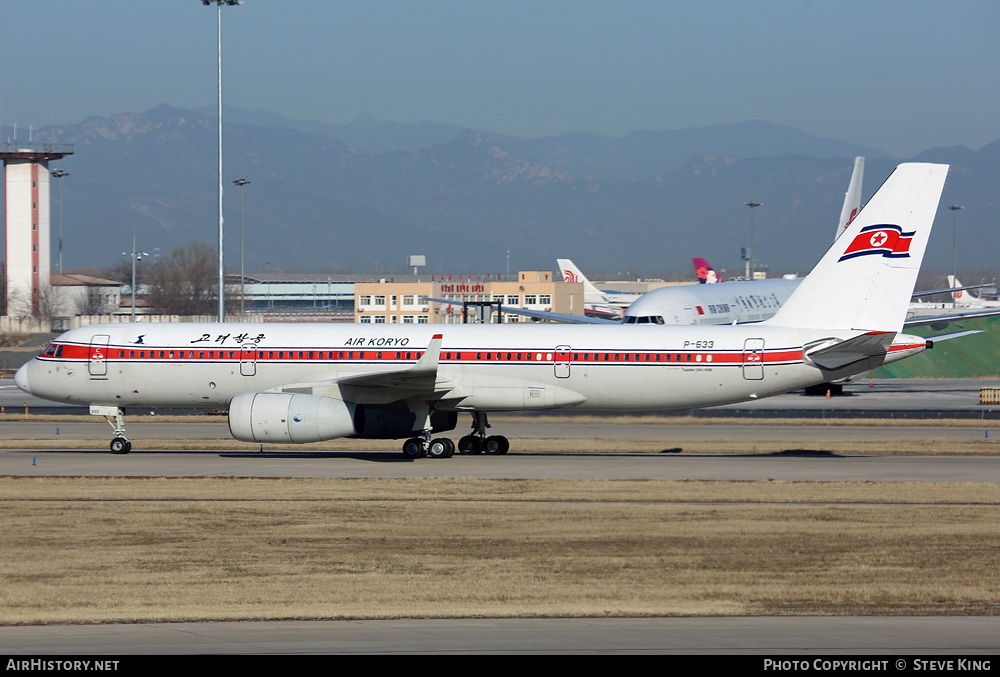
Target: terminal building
x,y
408,302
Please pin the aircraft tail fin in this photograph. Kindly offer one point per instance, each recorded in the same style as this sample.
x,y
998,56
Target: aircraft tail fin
x,y
865,280
952,284
852,199
705,272
571,273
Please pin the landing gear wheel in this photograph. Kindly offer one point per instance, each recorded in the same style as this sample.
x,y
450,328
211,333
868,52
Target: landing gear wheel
x,y
496,445
120,445
470,444
441,447
413,448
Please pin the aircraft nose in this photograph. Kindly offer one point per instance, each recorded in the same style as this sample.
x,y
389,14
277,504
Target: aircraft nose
x,y
21,379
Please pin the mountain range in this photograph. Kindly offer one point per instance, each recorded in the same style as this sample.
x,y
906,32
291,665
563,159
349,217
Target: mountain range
x,y
361,197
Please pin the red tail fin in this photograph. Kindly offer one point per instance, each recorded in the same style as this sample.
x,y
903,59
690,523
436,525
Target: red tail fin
x,y
706,273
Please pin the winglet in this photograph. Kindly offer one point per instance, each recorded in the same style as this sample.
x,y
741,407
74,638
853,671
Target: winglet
x,y
428,362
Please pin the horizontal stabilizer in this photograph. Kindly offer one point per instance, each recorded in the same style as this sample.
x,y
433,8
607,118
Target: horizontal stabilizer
x,y
833,354
937,338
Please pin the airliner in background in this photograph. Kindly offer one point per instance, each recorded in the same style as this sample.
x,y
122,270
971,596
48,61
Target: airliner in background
x,y
962,298
297,383
737,301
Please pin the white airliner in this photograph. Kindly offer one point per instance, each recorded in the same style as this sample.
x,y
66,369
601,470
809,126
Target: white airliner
x,y
311,382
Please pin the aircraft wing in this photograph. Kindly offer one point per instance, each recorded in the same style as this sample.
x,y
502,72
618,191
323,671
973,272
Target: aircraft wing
x,y
385,386
949,290
925,320
541,314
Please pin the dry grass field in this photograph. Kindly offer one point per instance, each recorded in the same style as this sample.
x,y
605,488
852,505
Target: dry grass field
x,y
79,550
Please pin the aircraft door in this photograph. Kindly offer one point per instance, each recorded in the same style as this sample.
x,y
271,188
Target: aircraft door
x,y
563,356
98,354
753,359
248,359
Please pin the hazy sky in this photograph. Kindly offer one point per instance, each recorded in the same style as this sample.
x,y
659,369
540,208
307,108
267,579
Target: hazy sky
x,y
903,76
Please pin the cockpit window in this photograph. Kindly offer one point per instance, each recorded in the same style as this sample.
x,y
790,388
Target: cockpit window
x,y
644,319
50,351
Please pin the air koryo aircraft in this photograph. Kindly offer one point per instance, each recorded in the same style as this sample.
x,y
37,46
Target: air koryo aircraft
x,y
294,383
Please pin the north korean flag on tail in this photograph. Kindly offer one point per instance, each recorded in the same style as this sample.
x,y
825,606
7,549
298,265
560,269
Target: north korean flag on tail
x,y
885,240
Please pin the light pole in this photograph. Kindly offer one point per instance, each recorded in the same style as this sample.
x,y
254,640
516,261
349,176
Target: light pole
x,y
954,249
59,174
222,277
267,273
243,288
753,253
136,256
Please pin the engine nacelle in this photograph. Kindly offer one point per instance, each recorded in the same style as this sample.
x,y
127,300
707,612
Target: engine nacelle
x,y
291,418
393,423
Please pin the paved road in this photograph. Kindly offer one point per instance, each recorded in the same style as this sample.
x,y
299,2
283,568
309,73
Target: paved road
x,y
803,638
790,465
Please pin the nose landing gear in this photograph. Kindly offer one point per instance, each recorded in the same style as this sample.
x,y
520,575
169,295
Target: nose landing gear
x,y
115,416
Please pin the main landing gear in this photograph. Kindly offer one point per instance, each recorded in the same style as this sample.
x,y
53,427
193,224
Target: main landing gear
x,y
440,447
475,443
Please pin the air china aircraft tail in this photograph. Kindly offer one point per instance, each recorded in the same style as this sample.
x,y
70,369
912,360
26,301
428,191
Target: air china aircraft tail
x,y
852,199
864,282
705,272
571,273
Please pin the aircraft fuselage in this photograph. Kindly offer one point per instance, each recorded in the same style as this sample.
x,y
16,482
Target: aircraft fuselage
x,y
480,367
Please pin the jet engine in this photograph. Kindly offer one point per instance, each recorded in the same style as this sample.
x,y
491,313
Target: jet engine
x,y
291,417
299,418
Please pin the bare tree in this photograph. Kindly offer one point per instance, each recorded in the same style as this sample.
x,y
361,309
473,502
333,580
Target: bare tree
x,y
94,301
44,302
184,284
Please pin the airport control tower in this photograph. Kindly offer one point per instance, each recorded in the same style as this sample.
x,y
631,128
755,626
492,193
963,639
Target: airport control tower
x,y
26,221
